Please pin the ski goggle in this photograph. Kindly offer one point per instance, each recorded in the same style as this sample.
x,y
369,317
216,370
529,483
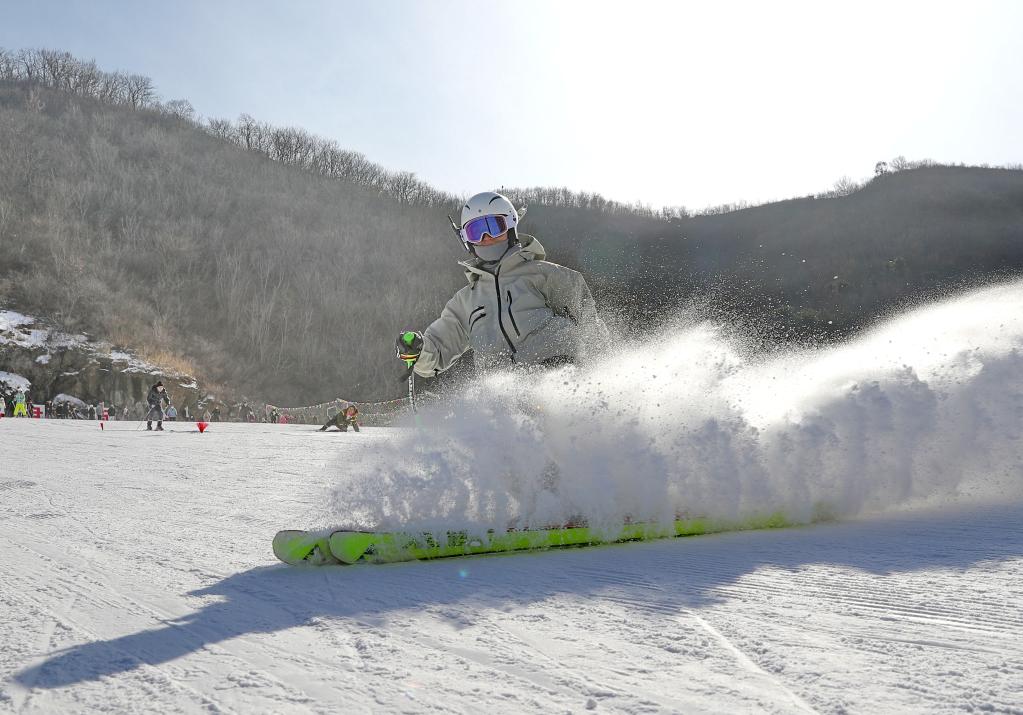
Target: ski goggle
x,y
475,230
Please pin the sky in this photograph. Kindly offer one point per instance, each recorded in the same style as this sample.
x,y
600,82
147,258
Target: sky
x,y
665,103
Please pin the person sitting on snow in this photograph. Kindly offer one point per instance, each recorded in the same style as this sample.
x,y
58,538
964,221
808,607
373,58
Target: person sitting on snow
x,y
517,309
348,417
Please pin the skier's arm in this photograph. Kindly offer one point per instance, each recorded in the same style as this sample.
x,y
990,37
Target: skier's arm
x,y
444,341
568,295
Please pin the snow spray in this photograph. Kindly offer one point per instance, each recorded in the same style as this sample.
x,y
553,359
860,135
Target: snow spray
x,y
925,408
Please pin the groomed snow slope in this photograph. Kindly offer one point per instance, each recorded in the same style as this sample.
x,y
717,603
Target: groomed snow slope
x,y
136,573
137,576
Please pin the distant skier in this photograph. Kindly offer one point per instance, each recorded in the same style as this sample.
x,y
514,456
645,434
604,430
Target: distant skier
x,y
156,398
172,414
20,407
348,417
518,309
3,406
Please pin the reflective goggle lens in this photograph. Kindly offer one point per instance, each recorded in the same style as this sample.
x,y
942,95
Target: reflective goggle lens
x,y
475,230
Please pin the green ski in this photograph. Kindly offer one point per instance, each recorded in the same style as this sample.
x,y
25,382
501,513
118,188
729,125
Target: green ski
x,y
349,547
303,547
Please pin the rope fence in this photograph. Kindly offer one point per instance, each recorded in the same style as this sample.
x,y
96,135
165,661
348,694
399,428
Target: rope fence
x,y
371,413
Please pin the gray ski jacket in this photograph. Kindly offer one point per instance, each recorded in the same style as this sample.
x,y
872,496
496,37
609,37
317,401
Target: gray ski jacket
x,y
527,310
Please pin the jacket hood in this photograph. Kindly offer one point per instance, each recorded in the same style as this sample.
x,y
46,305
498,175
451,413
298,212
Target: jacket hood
x,y
529,249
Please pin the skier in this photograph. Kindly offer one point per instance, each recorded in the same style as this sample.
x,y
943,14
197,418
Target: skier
x,y
156,397
348,417
3,406
517,309
19,404
172,414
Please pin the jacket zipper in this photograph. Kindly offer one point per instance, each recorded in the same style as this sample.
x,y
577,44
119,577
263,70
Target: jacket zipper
x,y
500,323
512,315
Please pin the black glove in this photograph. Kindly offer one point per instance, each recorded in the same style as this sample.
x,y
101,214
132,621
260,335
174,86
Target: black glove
x,y
408,346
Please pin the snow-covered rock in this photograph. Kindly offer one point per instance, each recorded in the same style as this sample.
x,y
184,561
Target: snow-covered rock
x,y
13,381
76,365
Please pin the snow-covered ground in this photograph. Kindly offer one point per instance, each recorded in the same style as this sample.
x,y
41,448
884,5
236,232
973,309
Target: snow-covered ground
x,y
137,576
136,572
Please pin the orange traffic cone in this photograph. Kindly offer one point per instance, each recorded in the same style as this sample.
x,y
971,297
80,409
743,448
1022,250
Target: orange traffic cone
x,y
202,426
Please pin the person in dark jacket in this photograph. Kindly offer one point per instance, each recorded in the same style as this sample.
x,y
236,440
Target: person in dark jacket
x,y
156,397
348,417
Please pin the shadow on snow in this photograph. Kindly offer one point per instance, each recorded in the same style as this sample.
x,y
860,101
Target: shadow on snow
x,y
674,574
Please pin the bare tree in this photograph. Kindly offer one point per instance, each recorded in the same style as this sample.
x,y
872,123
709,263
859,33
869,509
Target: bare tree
x,y
403,186
28,62
247,129
139,91
87,79
844,186
221,128
113,88
899,163
180,108
8,65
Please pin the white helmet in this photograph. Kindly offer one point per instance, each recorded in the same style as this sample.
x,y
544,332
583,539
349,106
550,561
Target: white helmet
x,y
489,203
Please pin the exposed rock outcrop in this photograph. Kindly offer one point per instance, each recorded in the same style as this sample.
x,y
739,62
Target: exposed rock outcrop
x,y
56,363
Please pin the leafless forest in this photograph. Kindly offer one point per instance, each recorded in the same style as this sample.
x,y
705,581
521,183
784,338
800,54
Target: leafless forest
x,y
280,265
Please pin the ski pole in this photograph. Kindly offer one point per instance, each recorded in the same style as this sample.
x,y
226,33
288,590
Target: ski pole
x,y
412,389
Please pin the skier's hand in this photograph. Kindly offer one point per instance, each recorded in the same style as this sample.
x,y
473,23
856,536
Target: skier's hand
x,y
408,346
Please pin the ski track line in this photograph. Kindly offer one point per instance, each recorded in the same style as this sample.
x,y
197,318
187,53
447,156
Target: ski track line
x,y
173,683
948,616
891,603
674,607
572,686
23,691
437,583
456,653
301,663
600,691
581,684
509,669
747,664
853,590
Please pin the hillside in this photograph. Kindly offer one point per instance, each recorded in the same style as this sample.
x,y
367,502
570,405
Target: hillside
x,y
809,267
140,228
144,230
